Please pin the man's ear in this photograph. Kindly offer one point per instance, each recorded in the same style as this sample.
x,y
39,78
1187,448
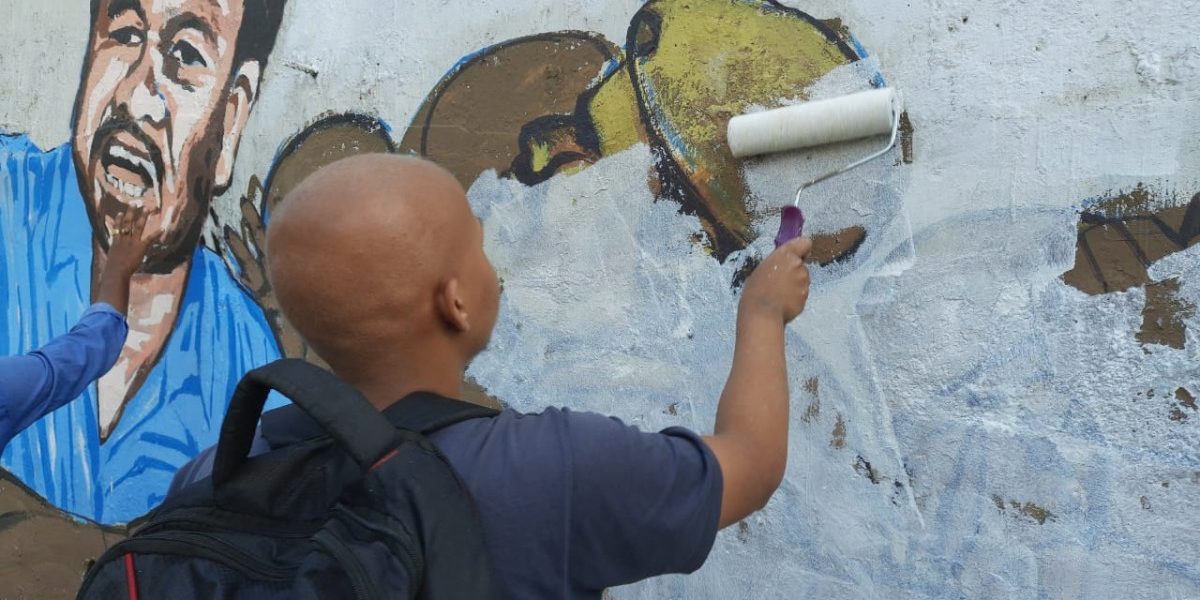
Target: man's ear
x,y
242,94
451,308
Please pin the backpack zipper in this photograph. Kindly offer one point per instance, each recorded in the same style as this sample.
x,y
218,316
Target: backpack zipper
x,y
204,525
364,589
187,542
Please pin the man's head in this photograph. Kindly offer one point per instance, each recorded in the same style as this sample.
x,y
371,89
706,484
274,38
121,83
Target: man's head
x,y
378,256
166,92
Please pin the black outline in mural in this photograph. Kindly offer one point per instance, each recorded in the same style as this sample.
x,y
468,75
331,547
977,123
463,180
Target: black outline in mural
x,y
372,125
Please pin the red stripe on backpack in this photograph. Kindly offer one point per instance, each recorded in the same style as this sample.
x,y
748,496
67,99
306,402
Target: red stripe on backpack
x,y
130,577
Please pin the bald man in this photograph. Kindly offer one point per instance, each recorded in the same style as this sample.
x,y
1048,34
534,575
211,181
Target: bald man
x,y
378,262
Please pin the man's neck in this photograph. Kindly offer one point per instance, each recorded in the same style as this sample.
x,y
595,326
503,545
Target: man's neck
x,y
154,301
435,371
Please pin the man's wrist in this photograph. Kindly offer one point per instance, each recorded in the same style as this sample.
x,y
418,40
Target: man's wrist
x,y
759,310
119,272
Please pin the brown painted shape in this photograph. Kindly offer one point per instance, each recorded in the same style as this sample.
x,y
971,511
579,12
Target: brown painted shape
x,y
829,248
1185,398
473,119
43,552
476,394
1122,236
906,139
1119,239
1164,314
813,387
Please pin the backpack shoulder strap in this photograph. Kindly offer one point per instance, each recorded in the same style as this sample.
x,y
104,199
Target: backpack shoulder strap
x,y
425,412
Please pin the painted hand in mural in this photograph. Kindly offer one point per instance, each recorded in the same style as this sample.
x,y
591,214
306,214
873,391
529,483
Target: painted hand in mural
x,y
326,140
246,245
1119,238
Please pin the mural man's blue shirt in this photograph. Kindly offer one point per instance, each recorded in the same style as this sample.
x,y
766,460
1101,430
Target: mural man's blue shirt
x,y
219,334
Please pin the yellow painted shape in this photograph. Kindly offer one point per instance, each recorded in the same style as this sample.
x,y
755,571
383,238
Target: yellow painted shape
x,y
614,113
715,59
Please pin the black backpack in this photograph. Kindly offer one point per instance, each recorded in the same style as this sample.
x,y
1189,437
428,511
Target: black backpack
x,y
361,509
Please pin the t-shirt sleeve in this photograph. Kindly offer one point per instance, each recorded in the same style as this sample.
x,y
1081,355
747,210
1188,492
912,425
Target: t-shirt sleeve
x,y
643,504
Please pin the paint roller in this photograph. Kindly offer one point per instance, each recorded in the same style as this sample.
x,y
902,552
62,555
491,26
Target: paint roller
x,y
818,123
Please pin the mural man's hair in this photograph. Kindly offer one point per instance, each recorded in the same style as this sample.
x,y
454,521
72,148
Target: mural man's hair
x,y
261,20
260,28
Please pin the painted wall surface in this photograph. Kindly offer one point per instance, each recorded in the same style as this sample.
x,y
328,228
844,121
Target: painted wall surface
x,y
994,385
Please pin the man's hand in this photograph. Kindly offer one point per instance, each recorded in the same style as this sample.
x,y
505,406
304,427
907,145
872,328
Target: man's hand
x,y
779,285
750,436
125,255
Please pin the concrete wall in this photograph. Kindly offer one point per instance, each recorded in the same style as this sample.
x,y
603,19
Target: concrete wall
x,y
993,386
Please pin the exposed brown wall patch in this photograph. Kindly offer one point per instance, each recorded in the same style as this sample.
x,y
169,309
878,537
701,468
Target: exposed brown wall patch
x,y
839,434
1185,398
812,386
1028,510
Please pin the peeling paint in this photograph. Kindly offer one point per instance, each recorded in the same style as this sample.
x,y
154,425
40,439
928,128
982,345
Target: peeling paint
x,y
812,386
1027,509
838,439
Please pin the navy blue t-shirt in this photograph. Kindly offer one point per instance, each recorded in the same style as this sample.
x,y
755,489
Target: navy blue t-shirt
x,y
575,502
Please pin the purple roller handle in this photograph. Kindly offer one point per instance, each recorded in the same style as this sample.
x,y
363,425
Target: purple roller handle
x,y
791,225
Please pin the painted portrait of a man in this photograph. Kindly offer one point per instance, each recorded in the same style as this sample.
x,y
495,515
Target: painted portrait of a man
x,y
165,94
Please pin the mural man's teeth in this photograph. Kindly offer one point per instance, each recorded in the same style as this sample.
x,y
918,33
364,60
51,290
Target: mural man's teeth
x,y
129,189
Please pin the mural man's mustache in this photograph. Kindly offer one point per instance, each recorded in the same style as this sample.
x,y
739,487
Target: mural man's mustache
x,y
143,158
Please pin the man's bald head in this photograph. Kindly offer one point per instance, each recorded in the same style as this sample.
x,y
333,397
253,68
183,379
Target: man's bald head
x,y
381,253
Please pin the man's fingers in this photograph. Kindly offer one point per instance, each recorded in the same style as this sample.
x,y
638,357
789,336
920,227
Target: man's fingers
x,y
125,223
801,246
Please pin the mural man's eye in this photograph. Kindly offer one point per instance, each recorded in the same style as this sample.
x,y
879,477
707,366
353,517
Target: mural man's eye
x,y
128,36
187,55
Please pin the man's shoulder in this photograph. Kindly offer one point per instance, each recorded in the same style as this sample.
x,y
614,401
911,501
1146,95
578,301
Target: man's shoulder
x,y
21,146
549,424
17,143
549,440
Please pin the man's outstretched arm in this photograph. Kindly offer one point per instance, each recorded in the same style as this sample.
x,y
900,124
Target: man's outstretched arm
x,y
40,382
750,437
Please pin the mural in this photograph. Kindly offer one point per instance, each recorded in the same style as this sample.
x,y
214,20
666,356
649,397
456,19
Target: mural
x,y
166,91
593,99
993,396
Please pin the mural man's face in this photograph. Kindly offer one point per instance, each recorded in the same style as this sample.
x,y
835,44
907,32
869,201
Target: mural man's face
x,y
159,115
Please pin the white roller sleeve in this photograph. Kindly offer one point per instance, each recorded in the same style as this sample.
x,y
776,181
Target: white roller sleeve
x,y
849,117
